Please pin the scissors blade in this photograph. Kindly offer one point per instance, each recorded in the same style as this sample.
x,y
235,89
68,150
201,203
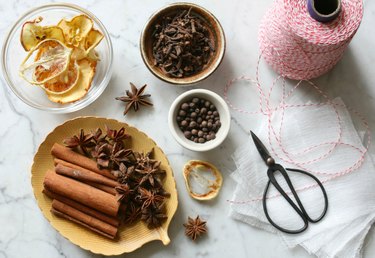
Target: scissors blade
x,y
260,147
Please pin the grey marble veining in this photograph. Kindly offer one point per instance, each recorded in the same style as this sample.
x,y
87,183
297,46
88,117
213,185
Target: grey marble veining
x,y
24,232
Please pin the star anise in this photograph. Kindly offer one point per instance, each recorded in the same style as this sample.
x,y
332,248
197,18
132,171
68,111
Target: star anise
x,y
124,192
108,156
133,212
119,154
143,159
124,173
135,98
117,136
161,191
154,216
195,227
150,198
151,173
83,141
98,137
102,155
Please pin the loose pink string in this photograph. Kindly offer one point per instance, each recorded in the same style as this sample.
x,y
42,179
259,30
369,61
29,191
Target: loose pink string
x,y
300,48
266,109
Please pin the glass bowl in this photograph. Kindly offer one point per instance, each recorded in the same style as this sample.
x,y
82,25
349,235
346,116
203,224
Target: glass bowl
x,y
13,54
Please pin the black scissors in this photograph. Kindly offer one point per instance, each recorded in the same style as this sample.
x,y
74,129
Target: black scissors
x,y
298,207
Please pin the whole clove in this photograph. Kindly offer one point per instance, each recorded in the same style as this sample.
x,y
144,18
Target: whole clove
x,y
183,44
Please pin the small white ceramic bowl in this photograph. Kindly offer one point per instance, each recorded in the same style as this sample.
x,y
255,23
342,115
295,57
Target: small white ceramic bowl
x,y
221,107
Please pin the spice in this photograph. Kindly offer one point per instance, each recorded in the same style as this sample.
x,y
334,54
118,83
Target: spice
x,y
150,198
139,185
82,193
133,213
199,120
82,141
195,227
153,216
124,192
182,44
135,98
63,153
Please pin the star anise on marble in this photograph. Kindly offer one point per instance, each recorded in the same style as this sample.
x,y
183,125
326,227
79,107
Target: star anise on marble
x,y
150,198
82,141
135,98
195,227
151,173
124,192
154,216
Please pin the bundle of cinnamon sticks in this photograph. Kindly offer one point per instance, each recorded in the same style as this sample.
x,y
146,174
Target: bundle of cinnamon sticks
x,y
82,192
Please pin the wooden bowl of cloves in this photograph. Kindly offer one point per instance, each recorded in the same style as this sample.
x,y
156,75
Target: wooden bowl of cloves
x,y
182,44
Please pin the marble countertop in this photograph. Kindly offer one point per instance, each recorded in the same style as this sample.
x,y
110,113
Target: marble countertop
x,y
24,232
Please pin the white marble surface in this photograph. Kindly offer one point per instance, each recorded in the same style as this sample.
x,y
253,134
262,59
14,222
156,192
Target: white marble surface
x,y
24,232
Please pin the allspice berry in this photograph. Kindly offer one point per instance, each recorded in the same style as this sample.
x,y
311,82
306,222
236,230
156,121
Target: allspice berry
x,y
199,120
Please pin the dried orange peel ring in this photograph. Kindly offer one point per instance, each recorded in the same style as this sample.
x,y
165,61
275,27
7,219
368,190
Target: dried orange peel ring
x,y
65,81
47,60
206,175
87,71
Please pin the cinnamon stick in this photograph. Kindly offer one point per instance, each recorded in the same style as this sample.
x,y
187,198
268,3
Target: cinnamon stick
x,y
114,221
104,188
107,189
68,155
82,193
72,214
85,175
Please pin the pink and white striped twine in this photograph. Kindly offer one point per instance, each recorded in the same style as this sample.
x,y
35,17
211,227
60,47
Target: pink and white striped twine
x,y
301,48
298,47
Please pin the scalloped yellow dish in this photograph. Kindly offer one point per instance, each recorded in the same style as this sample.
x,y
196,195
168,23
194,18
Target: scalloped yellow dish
x,y
129,238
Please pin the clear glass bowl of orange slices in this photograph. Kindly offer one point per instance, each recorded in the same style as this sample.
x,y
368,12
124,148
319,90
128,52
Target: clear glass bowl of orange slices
x,y
57,58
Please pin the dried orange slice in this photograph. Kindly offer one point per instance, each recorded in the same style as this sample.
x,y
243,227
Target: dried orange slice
x,y
76,30
45,61
32,33
202,179
87,70
65,81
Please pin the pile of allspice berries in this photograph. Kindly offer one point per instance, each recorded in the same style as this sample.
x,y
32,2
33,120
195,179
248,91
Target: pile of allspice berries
x,y
199,120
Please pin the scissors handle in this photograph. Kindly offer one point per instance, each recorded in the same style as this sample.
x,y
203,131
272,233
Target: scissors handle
x,y
321,188
299,208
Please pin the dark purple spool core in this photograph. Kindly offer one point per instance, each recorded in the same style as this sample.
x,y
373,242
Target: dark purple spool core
x,y
324,10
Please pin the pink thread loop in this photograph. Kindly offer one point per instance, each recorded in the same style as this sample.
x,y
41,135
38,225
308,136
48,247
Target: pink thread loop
x,y
276,134
300,48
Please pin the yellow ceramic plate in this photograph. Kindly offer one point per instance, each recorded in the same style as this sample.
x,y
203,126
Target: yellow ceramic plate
x,y
130,238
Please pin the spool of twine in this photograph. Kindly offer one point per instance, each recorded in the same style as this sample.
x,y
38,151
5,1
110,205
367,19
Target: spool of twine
x,y
298,46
